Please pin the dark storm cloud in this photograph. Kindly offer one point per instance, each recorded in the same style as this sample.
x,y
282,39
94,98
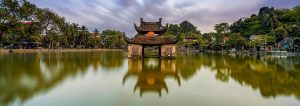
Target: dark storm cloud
x,y
121,14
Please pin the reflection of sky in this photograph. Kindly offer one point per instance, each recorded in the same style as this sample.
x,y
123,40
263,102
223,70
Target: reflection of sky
x,y
94,86
102,88
152,62
120,14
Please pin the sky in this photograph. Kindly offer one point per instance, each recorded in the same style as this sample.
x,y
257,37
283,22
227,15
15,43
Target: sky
x,y
121,14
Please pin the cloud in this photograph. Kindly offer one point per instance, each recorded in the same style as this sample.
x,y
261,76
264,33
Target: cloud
x,y
121,14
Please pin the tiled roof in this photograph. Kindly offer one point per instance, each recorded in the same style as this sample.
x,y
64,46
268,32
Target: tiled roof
x,y
150,26
151,40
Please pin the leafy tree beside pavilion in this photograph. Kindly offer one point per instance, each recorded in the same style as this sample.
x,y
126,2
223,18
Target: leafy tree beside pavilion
x,y
112,39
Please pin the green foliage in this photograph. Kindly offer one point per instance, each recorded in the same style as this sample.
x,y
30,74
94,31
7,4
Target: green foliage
x,y
48,27
297,41
260,40
272,24
276,22
236,40
173,29
192,43
222,28
283,30
112,39
218,38
22,21
35,38
186,27
256,43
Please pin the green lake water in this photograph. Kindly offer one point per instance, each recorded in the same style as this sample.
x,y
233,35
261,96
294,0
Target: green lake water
x,y
111,79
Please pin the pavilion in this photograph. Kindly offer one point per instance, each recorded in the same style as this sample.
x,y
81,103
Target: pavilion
x,y
151,34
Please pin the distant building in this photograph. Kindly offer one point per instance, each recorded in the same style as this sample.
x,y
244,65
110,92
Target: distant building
x,y
26,22
225,38
257,37
189,39
95,35
267,46
190,42
286,43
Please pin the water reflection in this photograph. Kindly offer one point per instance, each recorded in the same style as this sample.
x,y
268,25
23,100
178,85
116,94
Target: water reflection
x,y
151,74
22,76
271,76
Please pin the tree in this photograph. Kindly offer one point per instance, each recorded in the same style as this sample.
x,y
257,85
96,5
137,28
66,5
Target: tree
x,y
3,16
50,23
283,30
297,41
260,41
173,29
96,39
83,36
186,27
236,40
222,28
3,27
22,21
74,32
27,11
112,39
269,18
11,7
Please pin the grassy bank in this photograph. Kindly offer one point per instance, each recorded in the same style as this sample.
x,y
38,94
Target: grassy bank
x,y
54,50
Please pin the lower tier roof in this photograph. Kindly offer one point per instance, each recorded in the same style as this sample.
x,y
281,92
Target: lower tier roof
x,y
151,40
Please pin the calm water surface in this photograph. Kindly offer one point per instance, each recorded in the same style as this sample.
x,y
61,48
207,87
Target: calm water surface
x,y
109,78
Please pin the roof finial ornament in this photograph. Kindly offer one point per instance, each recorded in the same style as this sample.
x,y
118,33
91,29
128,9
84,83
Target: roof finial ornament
x,y
160,19
141,19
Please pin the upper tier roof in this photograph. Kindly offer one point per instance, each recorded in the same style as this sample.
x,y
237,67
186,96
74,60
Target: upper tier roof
x,y
146,27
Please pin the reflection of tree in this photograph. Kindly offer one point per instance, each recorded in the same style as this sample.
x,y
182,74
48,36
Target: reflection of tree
x,y
188,64
151,74
24,75
271,76
111,59
14,79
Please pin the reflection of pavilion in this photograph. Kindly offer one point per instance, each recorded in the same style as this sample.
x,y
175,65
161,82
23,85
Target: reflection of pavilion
x,y
151,74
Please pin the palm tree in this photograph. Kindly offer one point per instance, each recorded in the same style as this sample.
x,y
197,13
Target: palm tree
x,y
74,32
270,19
83,35
67,33
97,38
285,29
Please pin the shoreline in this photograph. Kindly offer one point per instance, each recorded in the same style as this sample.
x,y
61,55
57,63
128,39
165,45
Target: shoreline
x,y
260,53
54,50
4,51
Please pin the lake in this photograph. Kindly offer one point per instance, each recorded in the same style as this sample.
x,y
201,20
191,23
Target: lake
x,y
111,79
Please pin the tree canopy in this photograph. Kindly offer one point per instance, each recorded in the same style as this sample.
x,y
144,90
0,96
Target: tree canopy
x,y
21,21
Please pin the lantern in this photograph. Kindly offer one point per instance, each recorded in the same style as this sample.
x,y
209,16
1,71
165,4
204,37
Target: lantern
x,y
151,33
